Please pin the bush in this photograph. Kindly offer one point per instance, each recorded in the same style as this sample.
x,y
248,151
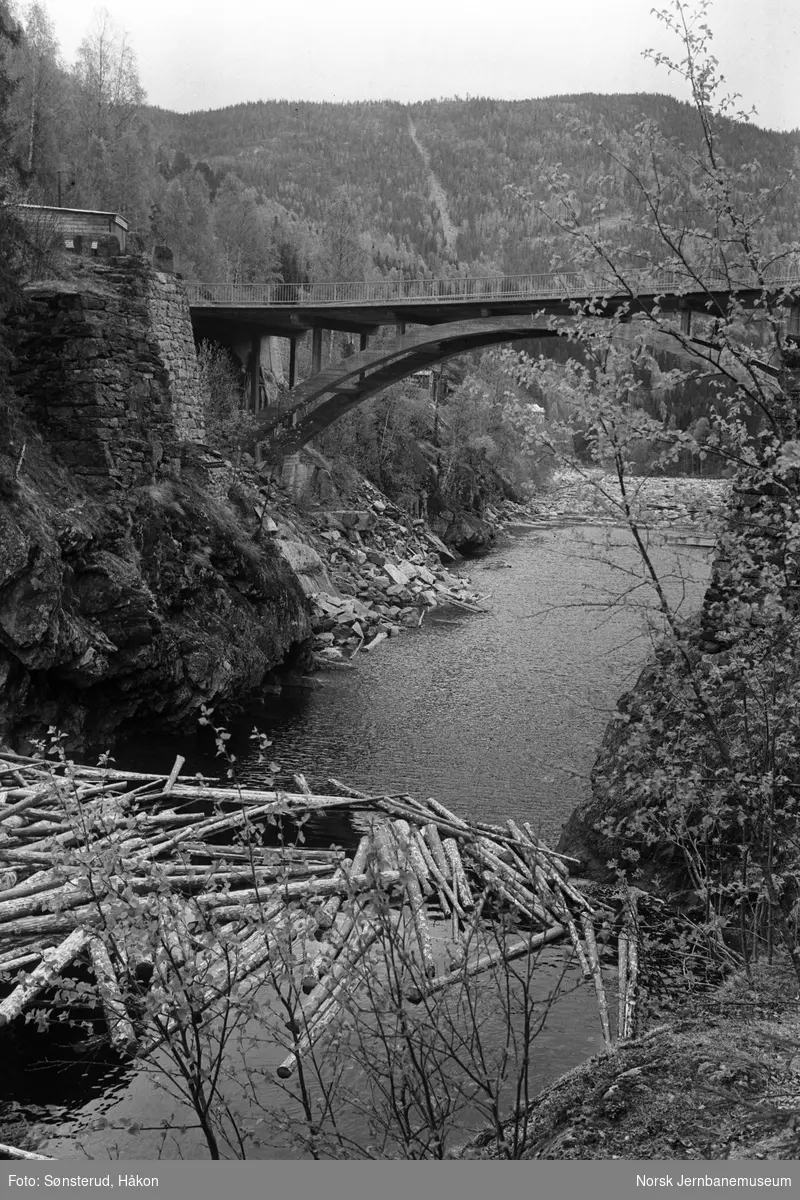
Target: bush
x,y
230,427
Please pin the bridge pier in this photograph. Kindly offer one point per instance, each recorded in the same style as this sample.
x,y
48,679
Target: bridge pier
x,y
793,327
316,351
254,370
292,361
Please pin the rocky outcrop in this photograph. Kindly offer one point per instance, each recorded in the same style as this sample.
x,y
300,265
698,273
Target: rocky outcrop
x,y
470,534
597,832
142,610
708,730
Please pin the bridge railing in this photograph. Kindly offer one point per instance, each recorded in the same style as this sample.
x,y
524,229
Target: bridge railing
x,y
552,286
384,291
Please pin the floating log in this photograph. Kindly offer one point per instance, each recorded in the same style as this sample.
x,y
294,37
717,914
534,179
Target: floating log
x,y
50,968
410,851
559,861
302,783
118,835
622,984
631,951
441,811
458,874
174,920
327,952
511,883
331,987
416,905
597,974
40,881
173,775
33,798
16,961
120,1027
327,913
574,937
448,898
15,1152
350,792
58,899
385,846
630,989
431,834
508,953
341,952
253,952
251,897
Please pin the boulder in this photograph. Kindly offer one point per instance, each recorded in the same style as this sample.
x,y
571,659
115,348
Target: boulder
x,y
306,564
350,518
397,576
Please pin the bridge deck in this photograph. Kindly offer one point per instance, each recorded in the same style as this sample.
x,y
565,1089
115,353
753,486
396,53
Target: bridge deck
x,y
288,309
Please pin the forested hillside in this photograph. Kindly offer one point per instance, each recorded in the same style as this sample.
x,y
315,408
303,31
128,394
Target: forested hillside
x,y
342,191
488,155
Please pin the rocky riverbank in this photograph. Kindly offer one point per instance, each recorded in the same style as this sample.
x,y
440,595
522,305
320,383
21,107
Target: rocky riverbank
x,y
592,495
368,569
720,1080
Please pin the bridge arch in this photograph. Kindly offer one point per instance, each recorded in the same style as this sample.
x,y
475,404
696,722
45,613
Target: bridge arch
x,y
320,400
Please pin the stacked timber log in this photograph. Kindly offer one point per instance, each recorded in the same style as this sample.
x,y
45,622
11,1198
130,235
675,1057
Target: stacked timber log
x,y
174,891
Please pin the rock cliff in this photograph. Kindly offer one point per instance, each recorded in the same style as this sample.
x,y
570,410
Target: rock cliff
x,y
130,587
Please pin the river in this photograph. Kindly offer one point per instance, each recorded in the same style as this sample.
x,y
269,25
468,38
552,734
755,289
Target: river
x,y
497,715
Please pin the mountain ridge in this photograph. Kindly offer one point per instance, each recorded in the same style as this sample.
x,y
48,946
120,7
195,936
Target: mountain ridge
x,y
484,154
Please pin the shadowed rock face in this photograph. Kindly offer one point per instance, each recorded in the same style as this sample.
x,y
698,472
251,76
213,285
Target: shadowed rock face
x,y
589,833
751,610
143,609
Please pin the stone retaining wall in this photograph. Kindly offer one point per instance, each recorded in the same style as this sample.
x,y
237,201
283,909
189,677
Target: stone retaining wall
x,y
109,368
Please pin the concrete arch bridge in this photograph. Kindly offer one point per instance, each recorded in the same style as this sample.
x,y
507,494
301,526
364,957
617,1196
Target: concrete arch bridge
x,y
450,317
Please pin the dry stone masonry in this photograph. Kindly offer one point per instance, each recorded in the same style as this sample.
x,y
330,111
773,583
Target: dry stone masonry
x,y
109,366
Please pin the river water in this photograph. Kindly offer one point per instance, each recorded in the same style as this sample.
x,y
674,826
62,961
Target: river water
x,y
497,715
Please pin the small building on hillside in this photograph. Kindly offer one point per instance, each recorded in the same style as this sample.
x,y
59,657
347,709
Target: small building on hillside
x,y
73,223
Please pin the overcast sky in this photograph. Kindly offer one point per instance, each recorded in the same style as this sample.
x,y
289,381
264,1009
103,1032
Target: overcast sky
x,y
209,53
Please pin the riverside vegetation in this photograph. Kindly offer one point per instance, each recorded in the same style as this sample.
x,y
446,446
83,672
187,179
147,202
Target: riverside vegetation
x,y
696,789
